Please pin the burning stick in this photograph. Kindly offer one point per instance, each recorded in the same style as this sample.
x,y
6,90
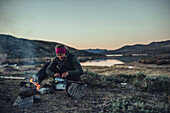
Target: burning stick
x,y
29,88
35,83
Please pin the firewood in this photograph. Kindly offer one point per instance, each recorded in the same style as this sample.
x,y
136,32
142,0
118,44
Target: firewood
x,y
28,90
11,77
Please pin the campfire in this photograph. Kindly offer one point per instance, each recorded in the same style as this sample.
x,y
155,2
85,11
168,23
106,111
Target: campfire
x,y
35,82
28,92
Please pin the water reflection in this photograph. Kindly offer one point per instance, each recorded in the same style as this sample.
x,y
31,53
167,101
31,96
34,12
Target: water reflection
x,y
102,62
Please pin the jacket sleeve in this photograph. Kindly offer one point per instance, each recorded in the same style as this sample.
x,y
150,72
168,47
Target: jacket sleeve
x,y
77,68
51,67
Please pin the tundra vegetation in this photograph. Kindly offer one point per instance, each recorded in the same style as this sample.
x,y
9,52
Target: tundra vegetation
x,y
138,103
118,92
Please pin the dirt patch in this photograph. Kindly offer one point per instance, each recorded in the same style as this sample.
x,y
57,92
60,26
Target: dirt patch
x,y
8,94
94,100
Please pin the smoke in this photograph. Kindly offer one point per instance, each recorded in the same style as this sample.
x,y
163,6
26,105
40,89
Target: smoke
x,y
3,56
27,49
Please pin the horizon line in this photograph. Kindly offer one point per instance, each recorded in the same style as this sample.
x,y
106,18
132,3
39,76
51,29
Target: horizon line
x,y
72,46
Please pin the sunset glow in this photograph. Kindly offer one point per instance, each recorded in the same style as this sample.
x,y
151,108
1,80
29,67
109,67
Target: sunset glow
x,y
83,24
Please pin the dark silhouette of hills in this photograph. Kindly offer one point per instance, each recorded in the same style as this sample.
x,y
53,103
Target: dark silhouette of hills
x,y
153,48
95,50
13,47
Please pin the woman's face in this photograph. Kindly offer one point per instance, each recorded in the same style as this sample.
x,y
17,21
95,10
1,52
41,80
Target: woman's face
x,y
61,56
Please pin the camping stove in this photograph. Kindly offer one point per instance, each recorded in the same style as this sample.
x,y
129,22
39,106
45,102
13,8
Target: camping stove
x,y
60,84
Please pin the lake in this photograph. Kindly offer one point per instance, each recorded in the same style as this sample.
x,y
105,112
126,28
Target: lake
x,y
112,61
102,62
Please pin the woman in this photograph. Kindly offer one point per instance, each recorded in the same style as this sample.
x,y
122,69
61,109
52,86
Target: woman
x,y
65,65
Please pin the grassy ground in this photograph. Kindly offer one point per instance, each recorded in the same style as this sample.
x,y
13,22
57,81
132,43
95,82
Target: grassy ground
x,y
131,68
112,92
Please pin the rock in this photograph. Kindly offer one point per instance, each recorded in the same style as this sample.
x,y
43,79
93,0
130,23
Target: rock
x,y
28,90
23,83
36,98
23,102
43,91
77,91
123,83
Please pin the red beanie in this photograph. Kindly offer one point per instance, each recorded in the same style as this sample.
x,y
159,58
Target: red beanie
x,y
60,50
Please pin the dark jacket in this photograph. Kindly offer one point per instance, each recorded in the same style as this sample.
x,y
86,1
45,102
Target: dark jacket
x,y
70,64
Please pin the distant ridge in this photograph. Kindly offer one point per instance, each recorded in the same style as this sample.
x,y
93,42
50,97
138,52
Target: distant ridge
x,y
153,48
13,47
95,50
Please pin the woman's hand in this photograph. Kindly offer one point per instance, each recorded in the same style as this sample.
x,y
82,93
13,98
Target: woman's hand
x,y
57,75
64,75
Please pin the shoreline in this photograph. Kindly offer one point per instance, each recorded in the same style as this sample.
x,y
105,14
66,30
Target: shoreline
x,y
131,68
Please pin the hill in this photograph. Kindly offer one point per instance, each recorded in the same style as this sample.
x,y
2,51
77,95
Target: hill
x,y
13,47
153,48
95,50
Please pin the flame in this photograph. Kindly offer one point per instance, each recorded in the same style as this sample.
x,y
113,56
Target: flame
x,y
35,83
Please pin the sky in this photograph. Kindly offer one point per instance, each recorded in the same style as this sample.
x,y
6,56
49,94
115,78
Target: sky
x,y
84,24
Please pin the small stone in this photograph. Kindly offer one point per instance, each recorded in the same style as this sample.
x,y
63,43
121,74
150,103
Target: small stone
x,y
43,91
123,83
36,98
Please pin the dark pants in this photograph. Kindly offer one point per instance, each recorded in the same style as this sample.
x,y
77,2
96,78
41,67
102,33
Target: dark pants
x,y
42,74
